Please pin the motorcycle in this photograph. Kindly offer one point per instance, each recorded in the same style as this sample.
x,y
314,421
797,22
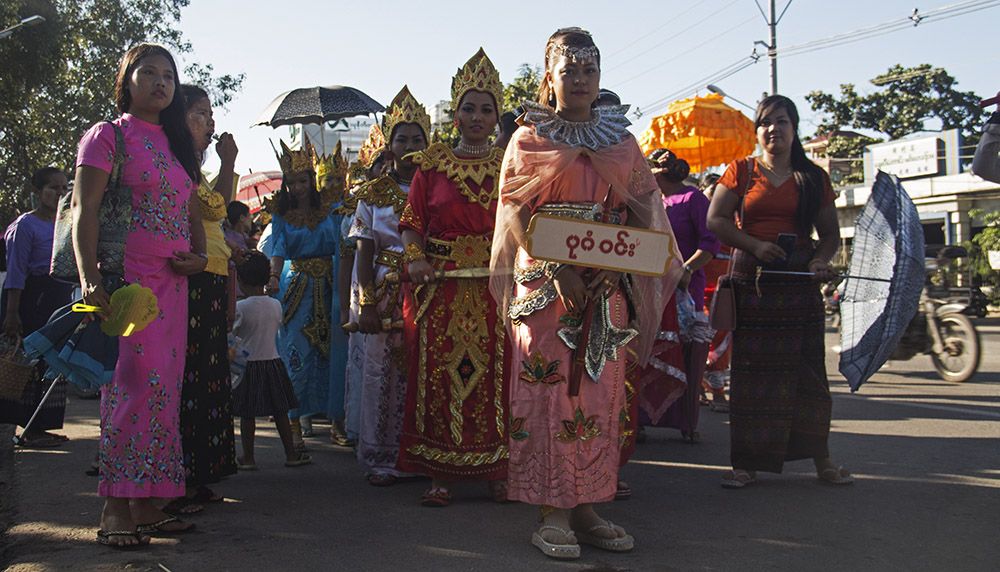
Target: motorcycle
x,y
942,330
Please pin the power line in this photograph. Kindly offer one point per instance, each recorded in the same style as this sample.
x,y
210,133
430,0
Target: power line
x,y
685,52
935,15
670,22
673,37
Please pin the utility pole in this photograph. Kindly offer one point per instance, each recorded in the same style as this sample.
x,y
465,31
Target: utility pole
x,y
773,48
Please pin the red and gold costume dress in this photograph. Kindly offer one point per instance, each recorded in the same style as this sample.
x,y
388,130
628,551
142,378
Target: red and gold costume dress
x,y
455,425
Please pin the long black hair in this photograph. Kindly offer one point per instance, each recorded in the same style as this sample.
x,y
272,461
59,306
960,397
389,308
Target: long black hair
x,y
173,118
809,177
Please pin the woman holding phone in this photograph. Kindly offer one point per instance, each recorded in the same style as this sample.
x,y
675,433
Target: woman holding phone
x,y
780,403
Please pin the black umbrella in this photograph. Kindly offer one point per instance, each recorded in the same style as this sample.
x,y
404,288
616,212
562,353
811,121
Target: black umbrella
x,y
317,105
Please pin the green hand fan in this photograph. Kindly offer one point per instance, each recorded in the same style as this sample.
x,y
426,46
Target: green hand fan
x,y
132,308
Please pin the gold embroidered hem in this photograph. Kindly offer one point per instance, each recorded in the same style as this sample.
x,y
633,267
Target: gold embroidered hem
x,y
439,157
458,458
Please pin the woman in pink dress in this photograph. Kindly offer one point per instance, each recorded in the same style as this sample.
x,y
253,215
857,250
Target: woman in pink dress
x,y
572,161
140,448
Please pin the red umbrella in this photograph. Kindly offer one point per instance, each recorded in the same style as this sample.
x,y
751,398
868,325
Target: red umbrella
x,y
253,188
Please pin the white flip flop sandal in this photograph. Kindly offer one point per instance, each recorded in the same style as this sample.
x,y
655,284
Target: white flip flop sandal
x,y
558,551
620,544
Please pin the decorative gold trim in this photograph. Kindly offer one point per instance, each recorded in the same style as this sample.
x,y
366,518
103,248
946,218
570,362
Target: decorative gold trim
x,y
405,109
461,171
457,458
383,192
477,74
412,253
315,267
389,258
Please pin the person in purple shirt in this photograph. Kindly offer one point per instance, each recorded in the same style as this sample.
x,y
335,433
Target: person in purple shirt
x,y
29,298
687,209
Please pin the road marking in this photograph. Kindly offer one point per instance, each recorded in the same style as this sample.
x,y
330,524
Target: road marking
x,y
933,407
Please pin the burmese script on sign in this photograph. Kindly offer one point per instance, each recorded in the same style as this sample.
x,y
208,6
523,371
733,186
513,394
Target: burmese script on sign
x,y
599,245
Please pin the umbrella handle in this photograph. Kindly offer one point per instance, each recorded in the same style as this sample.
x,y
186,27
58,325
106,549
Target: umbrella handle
x,y
27,426
85,308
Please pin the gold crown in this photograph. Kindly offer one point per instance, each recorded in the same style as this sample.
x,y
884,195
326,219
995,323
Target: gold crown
x,y
405,109
334,165
372,146
477,74
295,161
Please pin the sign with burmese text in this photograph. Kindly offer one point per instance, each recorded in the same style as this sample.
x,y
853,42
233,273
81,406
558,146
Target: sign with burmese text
x,y
599,245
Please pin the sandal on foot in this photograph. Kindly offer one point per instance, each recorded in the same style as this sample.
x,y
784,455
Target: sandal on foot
x,y
738,478
301,461
206,495
623,543
436,497
836,476
161,526
381,480
624,491
93,471
104,539
184,506
569,550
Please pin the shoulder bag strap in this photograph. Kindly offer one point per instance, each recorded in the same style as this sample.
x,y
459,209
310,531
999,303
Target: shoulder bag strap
x,y
750,164
116,167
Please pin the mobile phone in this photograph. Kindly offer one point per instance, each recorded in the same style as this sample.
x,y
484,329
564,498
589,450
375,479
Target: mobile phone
x,y
787,242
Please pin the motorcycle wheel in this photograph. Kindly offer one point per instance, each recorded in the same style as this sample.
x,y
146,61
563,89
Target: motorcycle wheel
x,y
960,358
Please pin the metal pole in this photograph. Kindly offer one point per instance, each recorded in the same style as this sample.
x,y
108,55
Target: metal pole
x,y
773,51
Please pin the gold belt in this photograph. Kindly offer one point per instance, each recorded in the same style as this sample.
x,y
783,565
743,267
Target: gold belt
x,y
315,267
470,251
389,258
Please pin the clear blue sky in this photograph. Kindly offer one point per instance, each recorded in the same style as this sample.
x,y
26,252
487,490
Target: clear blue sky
x,y
649,48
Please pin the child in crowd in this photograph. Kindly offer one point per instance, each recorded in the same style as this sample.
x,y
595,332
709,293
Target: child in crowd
x,y
266,388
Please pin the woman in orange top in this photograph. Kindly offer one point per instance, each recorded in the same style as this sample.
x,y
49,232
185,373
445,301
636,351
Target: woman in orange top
x,y
780,403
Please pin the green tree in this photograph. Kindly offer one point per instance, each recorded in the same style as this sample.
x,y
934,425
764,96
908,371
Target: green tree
x,y
57,78
907,99
988,239
523,87
850,149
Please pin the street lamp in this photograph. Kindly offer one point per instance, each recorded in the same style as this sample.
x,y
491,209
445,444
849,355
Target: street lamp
x,y
716,89
29,21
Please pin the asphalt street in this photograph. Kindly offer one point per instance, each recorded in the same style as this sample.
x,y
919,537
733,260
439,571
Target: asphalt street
x,y
926,455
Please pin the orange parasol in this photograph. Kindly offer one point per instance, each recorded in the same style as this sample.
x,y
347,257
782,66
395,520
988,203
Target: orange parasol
x,y
703,131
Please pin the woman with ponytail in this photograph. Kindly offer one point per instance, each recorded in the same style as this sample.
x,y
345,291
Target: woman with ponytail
x,y
780,403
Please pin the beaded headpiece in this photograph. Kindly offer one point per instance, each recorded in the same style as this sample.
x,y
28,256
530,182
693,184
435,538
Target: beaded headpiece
x,y
334,165
405,109
575,54
477,74
372,146
295,161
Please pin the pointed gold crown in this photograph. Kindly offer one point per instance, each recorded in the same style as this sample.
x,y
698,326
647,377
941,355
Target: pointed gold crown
x,y
296,161
372,146
477,74
405,109
326,165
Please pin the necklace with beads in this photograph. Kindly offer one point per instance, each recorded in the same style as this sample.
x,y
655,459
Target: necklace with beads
x,y
474,150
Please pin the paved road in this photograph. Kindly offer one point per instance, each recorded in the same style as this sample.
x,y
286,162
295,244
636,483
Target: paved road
x,y
926,454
